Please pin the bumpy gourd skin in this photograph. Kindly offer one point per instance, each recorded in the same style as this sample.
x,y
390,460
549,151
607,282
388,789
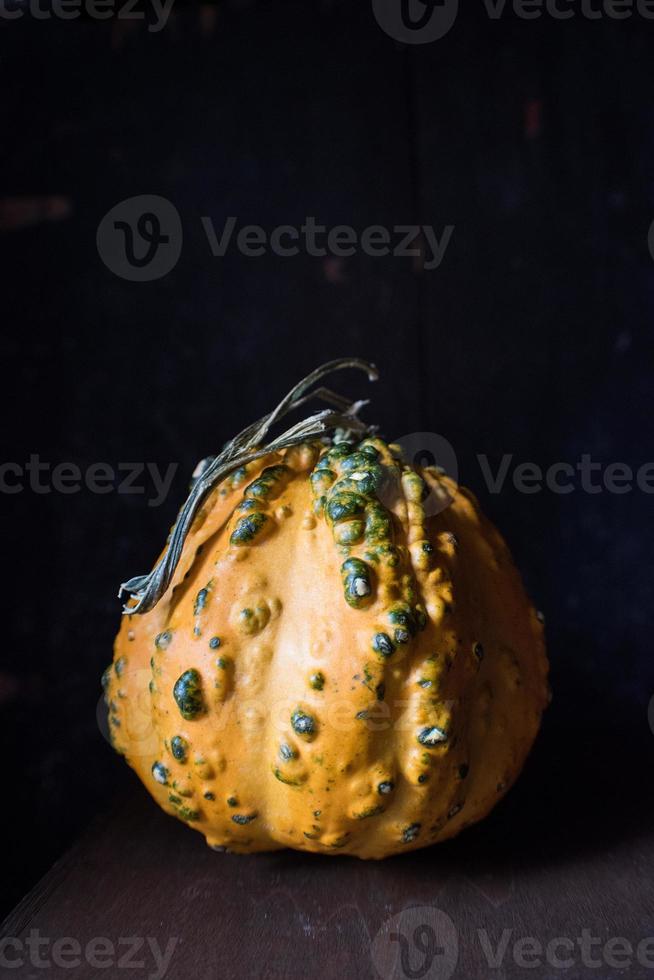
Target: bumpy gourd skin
x,y
332,670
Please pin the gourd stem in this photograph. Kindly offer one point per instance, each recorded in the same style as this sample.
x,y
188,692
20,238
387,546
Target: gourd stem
x,y
145,591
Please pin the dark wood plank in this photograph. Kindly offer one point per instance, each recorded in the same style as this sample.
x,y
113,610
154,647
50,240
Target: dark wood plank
x,y
283,915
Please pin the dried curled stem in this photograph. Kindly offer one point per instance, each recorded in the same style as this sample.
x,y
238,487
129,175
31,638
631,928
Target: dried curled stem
x,y
247,446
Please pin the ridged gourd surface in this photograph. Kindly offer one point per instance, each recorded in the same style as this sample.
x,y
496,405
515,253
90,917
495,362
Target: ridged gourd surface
x,y
346,661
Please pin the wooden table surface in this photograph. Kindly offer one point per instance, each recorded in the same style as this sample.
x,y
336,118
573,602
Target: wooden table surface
x,y
166,905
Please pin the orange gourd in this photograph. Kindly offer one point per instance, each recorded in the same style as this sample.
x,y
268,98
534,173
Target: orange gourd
x,y
330,662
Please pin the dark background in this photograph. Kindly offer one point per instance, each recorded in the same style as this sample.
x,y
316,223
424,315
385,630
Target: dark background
x,y
535,139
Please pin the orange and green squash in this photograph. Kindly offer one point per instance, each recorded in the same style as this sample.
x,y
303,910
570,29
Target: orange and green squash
x,y
329,663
